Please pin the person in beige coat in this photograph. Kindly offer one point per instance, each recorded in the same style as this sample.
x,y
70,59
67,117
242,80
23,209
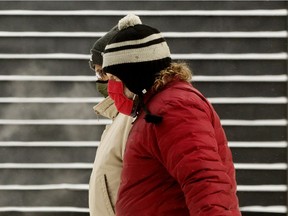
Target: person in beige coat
x,y
105,176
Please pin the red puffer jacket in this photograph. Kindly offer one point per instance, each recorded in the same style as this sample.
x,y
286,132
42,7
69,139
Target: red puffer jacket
x,y
181,166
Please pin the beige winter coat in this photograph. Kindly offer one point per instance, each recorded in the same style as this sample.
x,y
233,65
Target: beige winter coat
x,y
105,177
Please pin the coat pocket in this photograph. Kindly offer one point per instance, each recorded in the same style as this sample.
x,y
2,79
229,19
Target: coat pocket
x,y
106,196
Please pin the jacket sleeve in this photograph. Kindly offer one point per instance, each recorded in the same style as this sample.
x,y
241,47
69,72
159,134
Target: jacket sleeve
x,y
188,149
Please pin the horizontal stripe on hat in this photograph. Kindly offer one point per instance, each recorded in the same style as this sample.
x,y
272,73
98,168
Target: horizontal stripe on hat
x,y
135,46
143,54
134,42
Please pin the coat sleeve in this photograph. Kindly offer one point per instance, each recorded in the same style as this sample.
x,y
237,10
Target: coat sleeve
x,y
188,149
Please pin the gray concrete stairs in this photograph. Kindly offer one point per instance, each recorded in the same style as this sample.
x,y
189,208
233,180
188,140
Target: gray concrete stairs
x,y
49,132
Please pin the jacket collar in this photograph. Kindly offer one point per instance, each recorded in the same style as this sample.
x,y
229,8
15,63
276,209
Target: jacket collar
x,y
172,84
106,108
145,99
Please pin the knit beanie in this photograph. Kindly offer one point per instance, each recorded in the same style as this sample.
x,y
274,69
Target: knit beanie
x,y
136,54
99,46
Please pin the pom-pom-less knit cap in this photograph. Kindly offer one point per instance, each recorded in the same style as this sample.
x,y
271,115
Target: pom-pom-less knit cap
x,y
99,46
136,54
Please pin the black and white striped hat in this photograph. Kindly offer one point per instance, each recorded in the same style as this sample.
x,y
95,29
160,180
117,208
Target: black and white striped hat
x,y
136,54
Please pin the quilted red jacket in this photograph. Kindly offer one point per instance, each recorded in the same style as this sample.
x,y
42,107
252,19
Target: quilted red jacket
x,y
181,166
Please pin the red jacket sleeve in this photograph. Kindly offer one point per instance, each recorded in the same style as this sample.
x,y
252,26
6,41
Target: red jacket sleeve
x,y
188,149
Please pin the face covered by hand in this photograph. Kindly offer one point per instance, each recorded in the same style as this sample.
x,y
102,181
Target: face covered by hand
x,y
122,102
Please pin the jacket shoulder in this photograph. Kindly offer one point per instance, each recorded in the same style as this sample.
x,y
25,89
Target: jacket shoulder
x,y
178,95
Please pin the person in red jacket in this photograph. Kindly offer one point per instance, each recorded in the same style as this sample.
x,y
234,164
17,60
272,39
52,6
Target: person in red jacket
x,y
177,161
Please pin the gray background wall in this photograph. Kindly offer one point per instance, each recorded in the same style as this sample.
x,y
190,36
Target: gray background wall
x,y
49,133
